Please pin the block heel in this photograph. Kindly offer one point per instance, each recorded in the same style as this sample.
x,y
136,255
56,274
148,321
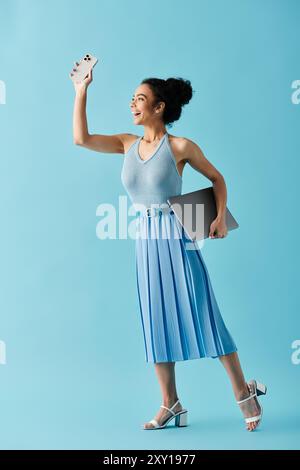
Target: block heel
x,y
261,389
181,419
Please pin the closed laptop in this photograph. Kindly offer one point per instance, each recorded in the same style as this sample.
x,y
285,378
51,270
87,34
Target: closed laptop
x,y
197,210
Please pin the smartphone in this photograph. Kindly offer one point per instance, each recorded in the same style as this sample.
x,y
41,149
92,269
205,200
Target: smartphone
x,y
81,71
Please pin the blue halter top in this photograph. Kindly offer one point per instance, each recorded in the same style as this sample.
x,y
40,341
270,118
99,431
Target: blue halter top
x,y
154,180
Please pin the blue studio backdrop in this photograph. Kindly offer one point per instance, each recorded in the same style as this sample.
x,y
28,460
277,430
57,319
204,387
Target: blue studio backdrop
x,y
72,363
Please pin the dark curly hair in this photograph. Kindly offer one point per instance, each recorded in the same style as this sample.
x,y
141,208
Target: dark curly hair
x,y
175,92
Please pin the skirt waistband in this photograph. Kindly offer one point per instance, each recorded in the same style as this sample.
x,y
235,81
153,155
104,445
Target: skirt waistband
x,y
154,211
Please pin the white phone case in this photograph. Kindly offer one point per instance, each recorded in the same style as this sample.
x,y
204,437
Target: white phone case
x,y
80,72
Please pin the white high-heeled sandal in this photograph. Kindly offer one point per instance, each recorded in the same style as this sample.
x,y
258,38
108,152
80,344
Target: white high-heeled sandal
x,y
259,389
180,418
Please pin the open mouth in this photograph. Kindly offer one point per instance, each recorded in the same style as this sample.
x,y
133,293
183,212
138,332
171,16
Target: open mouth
x,y
136,114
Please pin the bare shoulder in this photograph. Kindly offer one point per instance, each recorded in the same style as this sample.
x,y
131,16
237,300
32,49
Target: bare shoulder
x,y
179,145
182,146
128,140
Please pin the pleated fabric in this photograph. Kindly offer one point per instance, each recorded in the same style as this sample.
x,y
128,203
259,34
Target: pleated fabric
x,y
180,316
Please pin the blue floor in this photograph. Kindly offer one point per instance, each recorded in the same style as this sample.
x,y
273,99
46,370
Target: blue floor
x,y
83,411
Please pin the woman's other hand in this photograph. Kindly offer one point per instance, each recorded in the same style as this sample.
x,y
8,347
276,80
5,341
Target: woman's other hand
x,y
218,228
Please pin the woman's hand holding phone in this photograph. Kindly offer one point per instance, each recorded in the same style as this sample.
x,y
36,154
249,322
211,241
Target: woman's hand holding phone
x,y
82,86
82,75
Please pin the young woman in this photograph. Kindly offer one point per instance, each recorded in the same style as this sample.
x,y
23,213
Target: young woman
x,y
179,313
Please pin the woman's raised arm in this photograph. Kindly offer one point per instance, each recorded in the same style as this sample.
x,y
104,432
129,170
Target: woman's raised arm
x,y
99,143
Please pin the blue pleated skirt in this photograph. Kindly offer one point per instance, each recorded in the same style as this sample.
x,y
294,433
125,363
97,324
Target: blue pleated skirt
x,y
180,316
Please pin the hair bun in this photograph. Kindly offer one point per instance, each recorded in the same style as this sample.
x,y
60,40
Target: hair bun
x,y
175,92
180,87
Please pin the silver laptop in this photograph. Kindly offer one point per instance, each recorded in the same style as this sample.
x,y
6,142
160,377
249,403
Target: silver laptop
x,y
196,211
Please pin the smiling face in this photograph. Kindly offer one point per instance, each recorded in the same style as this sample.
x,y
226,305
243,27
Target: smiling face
x,y
142,106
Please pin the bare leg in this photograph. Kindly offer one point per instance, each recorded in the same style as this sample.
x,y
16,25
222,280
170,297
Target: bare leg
x,y
165,372
240,388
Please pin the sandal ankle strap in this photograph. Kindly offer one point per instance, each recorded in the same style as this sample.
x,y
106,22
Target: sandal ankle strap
x,y
248,398
170,409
